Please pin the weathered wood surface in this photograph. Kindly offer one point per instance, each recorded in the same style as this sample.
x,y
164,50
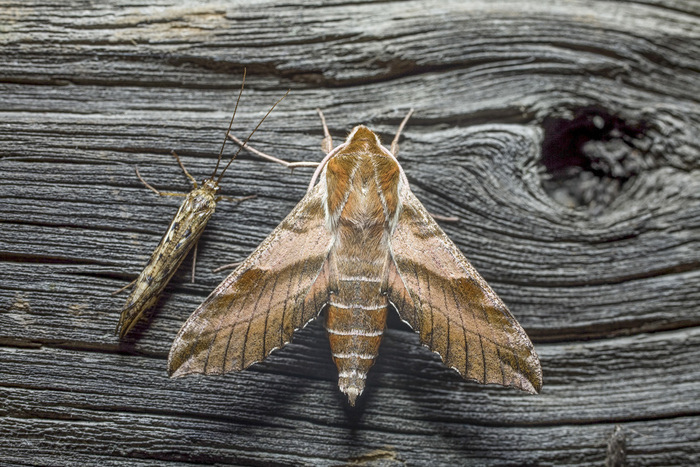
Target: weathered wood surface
x,y
563,134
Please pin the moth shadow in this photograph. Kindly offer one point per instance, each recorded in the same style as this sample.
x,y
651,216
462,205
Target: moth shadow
x,y
414,383
296,377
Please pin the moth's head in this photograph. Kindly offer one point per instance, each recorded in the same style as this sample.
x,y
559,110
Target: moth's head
x,y
362,140
210,185
360,133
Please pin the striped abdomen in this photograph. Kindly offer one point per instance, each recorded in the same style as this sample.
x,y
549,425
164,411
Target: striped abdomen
x,y
355,323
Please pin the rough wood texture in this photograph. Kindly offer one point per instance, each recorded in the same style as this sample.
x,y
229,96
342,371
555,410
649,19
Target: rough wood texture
x,y
563,134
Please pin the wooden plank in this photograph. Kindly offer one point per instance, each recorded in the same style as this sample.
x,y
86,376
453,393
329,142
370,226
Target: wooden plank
x,y
305,369
95,390
563,135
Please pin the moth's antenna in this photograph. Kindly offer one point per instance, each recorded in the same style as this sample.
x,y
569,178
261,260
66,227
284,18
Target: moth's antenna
x,y
218,161
250,136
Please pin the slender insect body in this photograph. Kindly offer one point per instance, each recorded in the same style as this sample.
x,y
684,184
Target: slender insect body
x,y
182,234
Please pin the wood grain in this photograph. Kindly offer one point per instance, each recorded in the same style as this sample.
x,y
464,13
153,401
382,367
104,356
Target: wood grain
x,y
563,135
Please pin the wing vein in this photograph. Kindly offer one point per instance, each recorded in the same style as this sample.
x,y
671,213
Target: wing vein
x,y
253,315
267,315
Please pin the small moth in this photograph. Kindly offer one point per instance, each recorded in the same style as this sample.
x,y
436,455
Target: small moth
x,y
183,233
356,244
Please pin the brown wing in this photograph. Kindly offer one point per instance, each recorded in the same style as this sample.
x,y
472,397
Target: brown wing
x,y
277,290
440,295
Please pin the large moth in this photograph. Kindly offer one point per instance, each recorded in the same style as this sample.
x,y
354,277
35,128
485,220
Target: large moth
x,y
357,244
182,235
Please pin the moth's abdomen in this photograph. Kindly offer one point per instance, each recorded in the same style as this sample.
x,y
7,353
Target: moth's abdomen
x,y
355,322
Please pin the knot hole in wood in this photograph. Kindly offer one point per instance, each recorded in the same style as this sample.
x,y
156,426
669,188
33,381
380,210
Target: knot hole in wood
x,y
588,159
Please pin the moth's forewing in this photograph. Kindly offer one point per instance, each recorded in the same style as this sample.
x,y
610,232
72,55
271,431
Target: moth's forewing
x,y
440,295
280,287
182,235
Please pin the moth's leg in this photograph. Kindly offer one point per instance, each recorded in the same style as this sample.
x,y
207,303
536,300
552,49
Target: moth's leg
x,y
227,266
182,166
235,200
395,151
159,193
327,143
194,260
438,217
117,292
289,165
395,143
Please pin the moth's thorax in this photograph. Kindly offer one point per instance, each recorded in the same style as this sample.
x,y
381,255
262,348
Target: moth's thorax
x,y
202,198
362,180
